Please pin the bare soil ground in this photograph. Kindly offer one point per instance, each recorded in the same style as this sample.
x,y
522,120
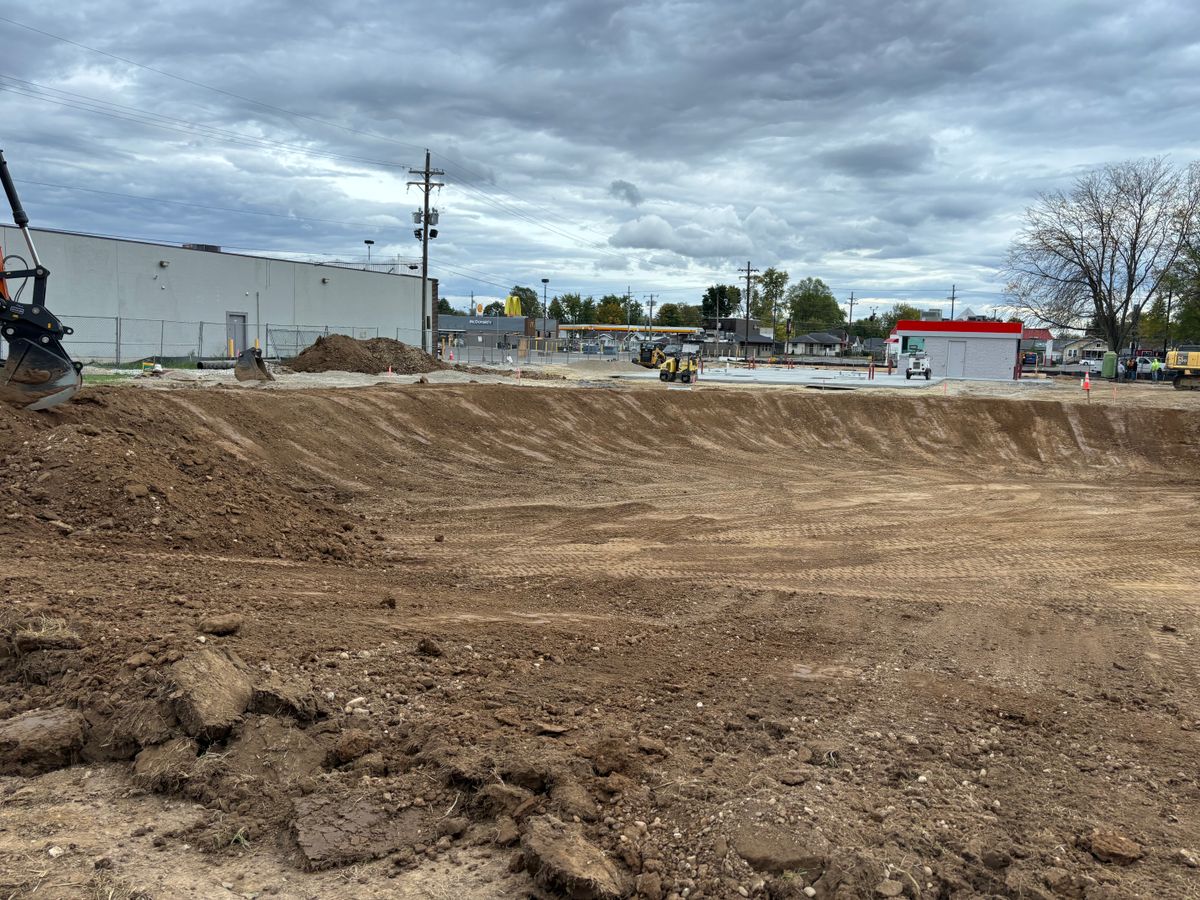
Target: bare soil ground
x,y
490,641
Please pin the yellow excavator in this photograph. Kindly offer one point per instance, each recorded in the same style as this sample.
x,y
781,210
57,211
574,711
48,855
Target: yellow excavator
x,y
1183,367
38,372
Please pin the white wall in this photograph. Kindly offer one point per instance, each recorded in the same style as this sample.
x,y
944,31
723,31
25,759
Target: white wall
x,y
94,280
987,357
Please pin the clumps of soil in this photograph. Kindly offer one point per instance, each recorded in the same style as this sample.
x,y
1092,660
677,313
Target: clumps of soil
x,y
136,471
339,353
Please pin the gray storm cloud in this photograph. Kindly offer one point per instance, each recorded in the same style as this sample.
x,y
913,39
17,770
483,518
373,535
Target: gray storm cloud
x,y
861,142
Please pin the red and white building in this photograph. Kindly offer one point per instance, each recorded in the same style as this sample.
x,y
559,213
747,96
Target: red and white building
x,y
956,349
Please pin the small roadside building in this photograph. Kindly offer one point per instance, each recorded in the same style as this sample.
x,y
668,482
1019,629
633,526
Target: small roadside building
x,y
503,332
958,349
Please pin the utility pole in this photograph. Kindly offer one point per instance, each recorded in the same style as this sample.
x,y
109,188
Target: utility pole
x,y
650,327
426,184
953,290
1167,330
850,321
749,273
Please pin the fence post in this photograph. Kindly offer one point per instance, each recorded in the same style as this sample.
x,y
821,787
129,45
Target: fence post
x,y
200,343
117,348
162,334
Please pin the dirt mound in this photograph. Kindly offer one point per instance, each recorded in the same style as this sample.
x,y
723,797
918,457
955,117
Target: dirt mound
x,y
122,466
339,353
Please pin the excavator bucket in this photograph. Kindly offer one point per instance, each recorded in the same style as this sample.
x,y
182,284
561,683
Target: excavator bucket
x,y
250,366
38,373
38,376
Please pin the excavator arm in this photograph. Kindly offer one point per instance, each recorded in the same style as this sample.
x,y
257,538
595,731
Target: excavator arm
x,y
38,373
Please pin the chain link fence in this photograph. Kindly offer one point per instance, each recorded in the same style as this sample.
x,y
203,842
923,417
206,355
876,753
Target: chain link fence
x,y
122,341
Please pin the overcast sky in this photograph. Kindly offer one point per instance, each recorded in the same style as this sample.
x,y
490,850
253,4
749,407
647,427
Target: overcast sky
x,y
886,147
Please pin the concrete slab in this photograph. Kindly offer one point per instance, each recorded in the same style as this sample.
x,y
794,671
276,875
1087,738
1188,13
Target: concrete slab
x,y
831,379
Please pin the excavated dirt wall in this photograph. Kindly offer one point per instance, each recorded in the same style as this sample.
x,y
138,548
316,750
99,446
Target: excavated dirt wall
x,y
644,641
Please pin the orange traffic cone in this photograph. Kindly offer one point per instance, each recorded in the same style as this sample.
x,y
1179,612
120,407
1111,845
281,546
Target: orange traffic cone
x,y
390,370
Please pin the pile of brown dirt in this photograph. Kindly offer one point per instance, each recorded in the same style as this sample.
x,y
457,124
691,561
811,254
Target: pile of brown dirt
x,y
339,353
150,471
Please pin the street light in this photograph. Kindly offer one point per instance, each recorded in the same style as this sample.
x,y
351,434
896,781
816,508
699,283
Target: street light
x,y
369,243
545,308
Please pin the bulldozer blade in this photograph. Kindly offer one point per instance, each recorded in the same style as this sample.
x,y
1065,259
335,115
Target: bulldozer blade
x,y
37,377
250,367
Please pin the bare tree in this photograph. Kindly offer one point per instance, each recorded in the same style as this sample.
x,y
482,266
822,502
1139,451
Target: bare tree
x,y
1098,253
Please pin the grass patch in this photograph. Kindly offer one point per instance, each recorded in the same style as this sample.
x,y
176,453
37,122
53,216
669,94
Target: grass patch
x,y
106,378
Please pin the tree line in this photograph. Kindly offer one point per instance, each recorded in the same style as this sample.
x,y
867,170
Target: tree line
x,y
808,304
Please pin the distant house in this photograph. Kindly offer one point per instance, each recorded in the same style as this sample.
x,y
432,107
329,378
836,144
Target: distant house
x,y
1078,349
1039,341
731,336
818,343
875,347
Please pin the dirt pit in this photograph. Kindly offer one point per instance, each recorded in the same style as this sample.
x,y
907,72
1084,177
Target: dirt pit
x,y
600,643
341,353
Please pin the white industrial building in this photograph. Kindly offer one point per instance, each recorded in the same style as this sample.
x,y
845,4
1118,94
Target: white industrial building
x,y
957,349
130,300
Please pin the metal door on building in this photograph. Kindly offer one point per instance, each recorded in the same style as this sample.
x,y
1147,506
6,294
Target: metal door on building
x,y
956,366
235,330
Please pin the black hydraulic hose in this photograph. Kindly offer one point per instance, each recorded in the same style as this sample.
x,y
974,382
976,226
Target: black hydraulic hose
x,y
11,190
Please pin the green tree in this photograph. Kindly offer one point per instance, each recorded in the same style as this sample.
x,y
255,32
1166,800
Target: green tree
x,y
721,301
557,310
610,311
1185,325
896,313
634,314
573,307
669,315
868,327
812,306
689,316
445,309
587,312
1183,281
1152,326
495,308
531,303
772,287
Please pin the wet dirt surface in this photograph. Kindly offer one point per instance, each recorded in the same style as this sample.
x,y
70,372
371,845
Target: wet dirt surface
x,y
478,640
